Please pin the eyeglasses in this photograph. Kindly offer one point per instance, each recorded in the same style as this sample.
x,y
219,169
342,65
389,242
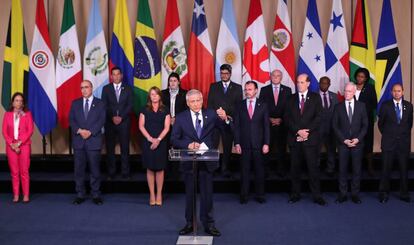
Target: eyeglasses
x,y
224,73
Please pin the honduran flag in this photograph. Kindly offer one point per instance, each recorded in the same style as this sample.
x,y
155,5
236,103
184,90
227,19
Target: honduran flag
x,y
228,48
121,53
388,61
311,52
256,55
282,55
173,54
95,56
68,65
41,85
200,56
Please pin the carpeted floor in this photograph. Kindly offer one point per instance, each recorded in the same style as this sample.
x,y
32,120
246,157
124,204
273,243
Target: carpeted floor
x,y
127,219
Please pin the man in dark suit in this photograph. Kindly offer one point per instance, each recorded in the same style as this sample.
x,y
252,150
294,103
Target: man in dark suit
x,y
194,128
395,123
225,94
87,118
118,99
350,123
303,119
276,95
329,101
251,139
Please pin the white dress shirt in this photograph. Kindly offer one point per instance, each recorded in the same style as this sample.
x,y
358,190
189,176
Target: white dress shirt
x,y
16,122
200,117
399,105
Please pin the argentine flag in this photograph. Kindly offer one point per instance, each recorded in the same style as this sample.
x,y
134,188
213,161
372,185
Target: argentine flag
x,y
95,57
311,52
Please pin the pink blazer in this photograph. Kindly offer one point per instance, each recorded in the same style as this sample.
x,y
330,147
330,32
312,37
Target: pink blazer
x,y
25,128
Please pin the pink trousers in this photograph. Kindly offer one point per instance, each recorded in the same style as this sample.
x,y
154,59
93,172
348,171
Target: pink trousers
x,y
19,169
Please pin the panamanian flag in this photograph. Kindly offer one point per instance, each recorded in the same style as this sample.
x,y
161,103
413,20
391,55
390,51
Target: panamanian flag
x,y
311,51
42,88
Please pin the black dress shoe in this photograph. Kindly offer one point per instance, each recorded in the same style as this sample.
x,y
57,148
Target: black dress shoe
x,y
355,199
110,177
294,198
78,200
97,200
126,176
261,200
186,230
212,231
320,201
341,199
405,198
243,200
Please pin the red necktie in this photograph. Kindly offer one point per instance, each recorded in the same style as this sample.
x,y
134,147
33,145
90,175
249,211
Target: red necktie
x,y
302,104
250,109
276,94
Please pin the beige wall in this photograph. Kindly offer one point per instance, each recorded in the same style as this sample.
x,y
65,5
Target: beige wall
x,y
402,11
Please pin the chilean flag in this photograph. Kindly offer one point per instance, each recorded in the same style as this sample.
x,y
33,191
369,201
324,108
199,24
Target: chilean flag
x,y
42,87
200,56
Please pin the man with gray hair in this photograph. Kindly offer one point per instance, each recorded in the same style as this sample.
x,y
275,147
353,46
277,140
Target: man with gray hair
x,y
350,125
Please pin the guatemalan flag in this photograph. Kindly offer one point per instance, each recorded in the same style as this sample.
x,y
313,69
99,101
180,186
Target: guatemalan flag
x,y
311,52
200,56
42,88
228,48
95,56
337,50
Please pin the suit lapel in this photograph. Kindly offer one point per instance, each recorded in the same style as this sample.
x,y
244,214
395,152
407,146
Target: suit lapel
x,y
190,119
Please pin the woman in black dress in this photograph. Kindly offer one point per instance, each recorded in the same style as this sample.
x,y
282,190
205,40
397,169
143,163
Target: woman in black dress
x,y
154,124
366,93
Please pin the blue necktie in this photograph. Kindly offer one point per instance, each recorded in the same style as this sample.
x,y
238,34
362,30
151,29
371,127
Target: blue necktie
x,y
225,87
198,125
398,111
86,109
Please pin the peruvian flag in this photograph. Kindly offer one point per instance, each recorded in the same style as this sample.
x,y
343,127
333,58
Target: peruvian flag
x,y
256,55
200,56
68,65
174,56
282,56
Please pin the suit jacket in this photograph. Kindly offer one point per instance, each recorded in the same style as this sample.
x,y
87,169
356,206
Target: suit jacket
x,y
369,97
184,133
122,108
180,101
252,133
25,128
310,118
266,95
345,130
392,132
327,114
94,123
217,98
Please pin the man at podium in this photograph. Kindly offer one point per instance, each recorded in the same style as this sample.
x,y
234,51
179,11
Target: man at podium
x,y
194,130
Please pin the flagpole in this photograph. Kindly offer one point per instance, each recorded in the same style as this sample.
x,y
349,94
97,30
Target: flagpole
x,y
44,146
70,142
50,139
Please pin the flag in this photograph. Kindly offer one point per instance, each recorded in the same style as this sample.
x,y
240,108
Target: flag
x,y
41,85
256,55
121,53
337,50
200,56
362,49
174,56
68,65
16,60
95,56
282,56
311,51
388,62
228,49
147,65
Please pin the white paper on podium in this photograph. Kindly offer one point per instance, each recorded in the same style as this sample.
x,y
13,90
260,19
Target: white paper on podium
x,y
203,148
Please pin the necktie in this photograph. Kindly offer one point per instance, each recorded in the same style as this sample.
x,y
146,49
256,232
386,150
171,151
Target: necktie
x,y
250,109
349,112
302,104
325,101
86,109
276,94
198,125
225,87
117,92
398,112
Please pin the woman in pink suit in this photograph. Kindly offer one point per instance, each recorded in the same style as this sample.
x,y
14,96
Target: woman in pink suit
x,y
17,130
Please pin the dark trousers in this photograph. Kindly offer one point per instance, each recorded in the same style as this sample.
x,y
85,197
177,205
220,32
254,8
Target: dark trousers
x,y
388,158
112,133
278,139
248,157
298,153
227,142
205,184
82,159
328,140
355,153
